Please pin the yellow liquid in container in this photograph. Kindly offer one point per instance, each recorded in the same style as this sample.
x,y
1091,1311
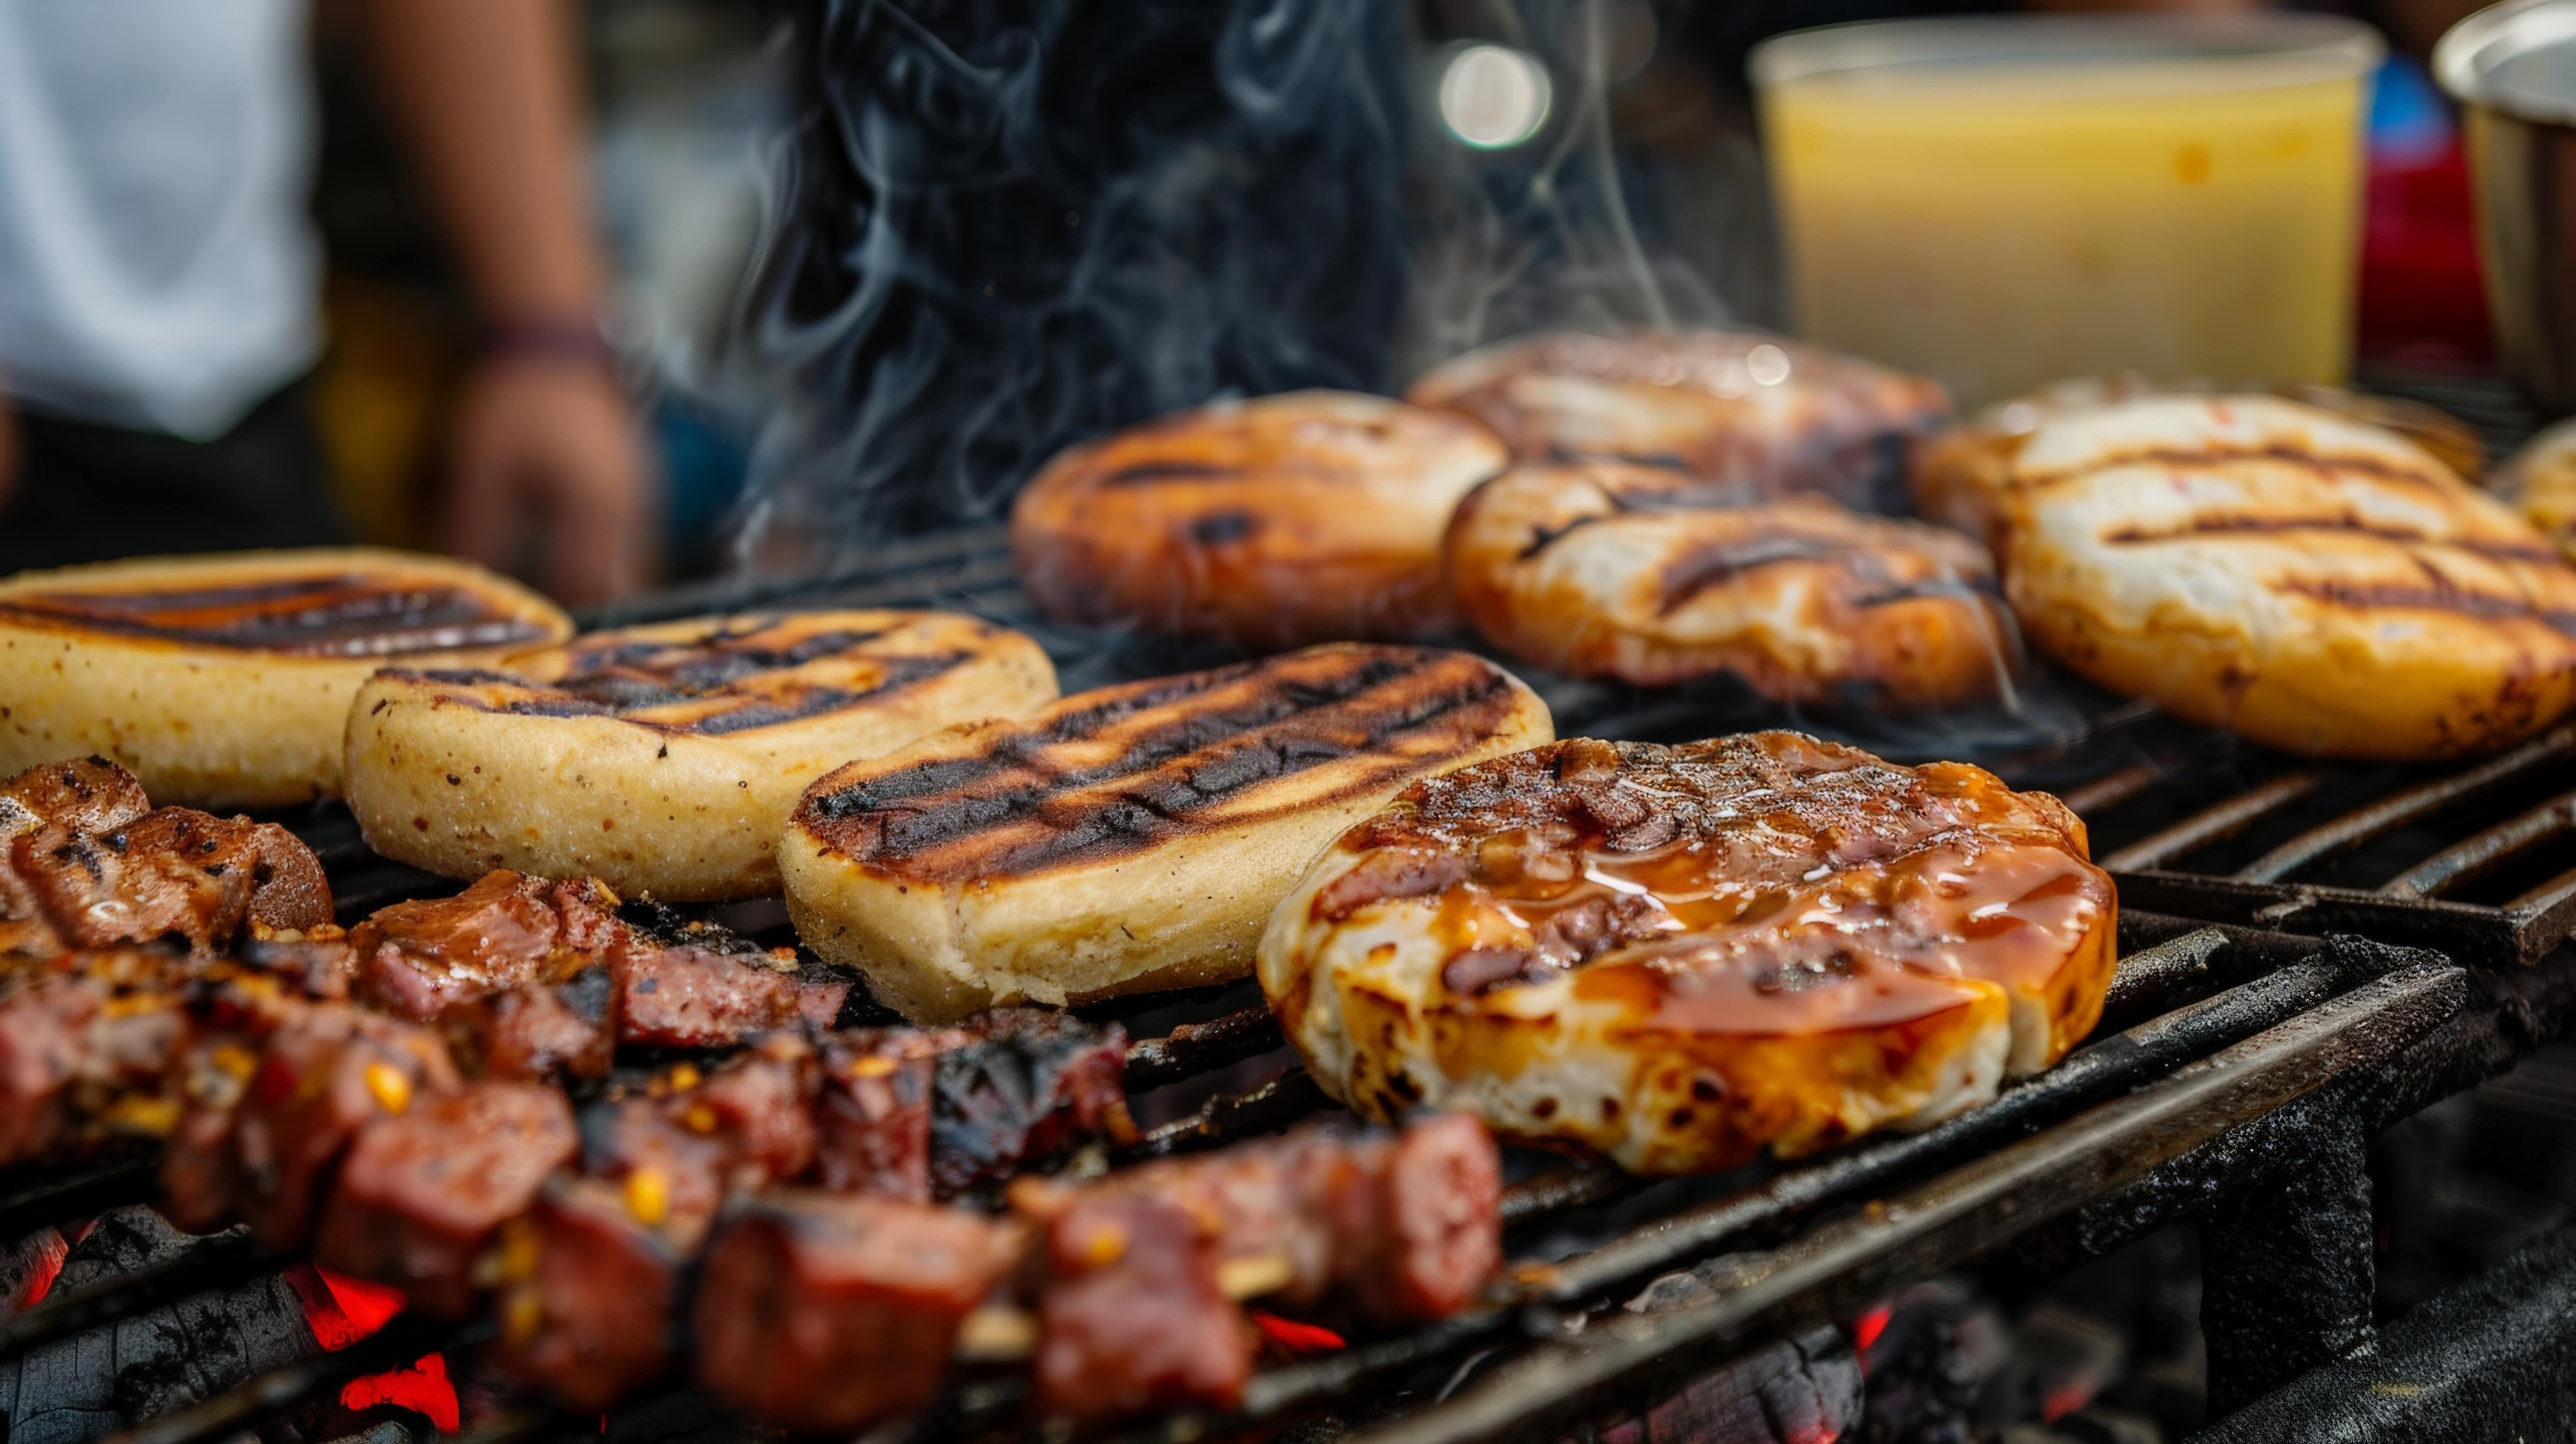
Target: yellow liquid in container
x,y
1999,222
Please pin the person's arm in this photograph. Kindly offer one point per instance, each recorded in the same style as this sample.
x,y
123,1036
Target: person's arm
x,y
487,92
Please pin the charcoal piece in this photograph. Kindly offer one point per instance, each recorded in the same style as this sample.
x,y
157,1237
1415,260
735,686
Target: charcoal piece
x,y
140,1368
28,1269
1807,1387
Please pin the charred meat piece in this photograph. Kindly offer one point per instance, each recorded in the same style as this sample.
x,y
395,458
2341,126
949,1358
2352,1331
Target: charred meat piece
x,y
691,1137
588,1294
560,1025
86,794
822,1312
171,873
1134,1317
689,995
83,1047
1401,1228
424,1189
325,1072
419,957
1017,1086
872,1120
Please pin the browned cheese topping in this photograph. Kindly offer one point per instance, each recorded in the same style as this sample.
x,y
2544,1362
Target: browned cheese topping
x,y
1744,882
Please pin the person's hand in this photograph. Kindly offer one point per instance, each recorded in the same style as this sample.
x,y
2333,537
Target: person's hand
x,y
551,442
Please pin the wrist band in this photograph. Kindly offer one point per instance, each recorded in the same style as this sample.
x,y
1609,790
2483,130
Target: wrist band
x,y
585,341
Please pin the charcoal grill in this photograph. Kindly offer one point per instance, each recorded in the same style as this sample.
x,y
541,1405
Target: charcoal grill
x,y
2308,954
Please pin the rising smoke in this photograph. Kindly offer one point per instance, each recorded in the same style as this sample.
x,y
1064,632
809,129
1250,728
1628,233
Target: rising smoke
x,y
1003,226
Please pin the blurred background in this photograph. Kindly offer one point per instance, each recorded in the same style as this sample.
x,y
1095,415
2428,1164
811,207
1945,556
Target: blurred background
x,y
1500,164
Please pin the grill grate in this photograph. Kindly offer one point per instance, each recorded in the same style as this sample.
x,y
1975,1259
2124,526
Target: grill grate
x,y
2245,1058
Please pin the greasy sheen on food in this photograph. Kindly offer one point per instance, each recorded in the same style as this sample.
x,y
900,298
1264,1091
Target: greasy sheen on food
x,y
1769,415
663,759
224,681
1678,956
1604,569
1128,839
2311,582
1309,517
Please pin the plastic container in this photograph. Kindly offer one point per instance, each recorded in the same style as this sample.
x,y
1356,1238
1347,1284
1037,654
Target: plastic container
x,y
2006,201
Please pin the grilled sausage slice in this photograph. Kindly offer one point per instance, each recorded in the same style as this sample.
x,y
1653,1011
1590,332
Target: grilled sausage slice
x,y
2316,584
1128,839
663,759
1309,517
1609,570
1678,956
225,681
1767,415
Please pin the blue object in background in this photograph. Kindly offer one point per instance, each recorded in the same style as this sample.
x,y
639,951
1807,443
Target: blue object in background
x,y
706,460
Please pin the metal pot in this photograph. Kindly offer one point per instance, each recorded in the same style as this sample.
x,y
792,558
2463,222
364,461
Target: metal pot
x,y
2512,67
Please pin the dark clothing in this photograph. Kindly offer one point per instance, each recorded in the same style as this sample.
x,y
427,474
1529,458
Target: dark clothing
x,y
89,493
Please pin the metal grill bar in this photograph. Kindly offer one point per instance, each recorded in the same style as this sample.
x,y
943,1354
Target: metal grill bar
x,y
2476,856
1940,1224
2113,788
2218,823
2385,816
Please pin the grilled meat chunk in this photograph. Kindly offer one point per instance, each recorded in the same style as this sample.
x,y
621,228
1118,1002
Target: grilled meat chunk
x,y
85,864
1681,955
825,1312
562,1024
500,933
1015,1087
1399,1228
1133,1317
423,1191
1129,839
872,1121
322,1074
589,1290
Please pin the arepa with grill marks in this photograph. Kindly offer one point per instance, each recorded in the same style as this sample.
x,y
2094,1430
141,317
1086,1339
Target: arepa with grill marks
x,y
224,681
2314,583
663,759
1309,517
1608,570
1128,839
1771,415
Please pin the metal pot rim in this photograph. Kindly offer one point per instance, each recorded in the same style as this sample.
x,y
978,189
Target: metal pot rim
x,y
2469,53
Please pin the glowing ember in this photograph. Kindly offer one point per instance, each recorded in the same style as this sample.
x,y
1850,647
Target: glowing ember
x,y
1294,1337
342,1310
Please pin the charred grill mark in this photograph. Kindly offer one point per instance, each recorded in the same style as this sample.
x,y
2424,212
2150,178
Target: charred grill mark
x,y
1624,502
700,664
1218,528
621,696
1154,473
346,615
2215,456
941,820
2484,606
2347,525
1705,567
1958,588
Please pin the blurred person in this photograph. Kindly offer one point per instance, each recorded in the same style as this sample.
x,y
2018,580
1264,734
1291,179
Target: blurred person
x,y
159,283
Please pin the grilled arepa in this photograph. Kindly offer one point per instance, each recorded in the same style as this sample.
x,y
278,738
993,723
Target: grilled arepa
x,y
1128,839
1678,956
1607,570
1309,517
663,759
2541,479
1769,415
2314,583
1954,472
224,681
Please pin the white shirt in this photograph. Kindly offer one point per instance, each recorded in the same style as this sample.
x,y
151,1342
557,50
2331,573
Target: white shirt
x,y
158,267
